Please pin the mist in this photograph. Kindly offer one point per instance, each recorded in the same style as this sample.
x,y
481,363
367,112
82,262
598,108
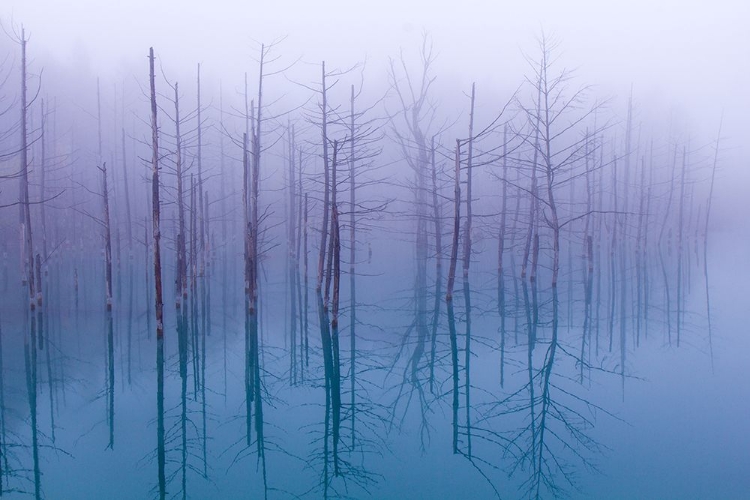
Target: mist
x,y
399,250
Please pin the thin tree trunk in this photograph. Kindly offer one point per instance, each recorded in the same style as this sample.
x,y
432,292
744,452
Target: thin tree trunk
x,y
181,285
352,262
705,243
159,303
107,238
27,248
500,251
326,185
469,174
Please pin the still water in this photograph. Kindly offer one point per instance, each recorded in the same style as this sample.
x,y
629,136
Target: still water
x,y
453,404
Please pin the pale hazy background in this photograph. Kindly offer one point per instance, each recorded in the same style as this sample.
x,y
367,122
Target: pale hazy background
x,y
687,60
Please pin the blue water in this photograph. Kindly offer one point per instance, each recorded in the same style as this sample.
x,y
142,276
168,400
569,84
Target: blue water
x,y
675,427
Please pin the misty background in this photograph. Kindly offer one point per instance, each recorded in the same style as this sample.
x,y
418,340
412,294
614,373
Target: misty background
x,y
637,417
686,61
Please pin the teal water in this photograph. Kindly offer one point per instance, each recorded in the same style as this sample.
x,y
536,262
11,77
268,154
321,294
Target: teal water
x,y
667,426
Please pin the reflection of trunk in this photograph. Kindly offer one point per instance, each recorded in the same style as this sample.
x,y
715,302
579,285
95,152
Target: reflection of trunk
x,y
129,320
110,380
205,331
530,367
4,468
160,451
259,433
248,375
31,387
454,364
44,318
540,465
182,350
588,289
534,290
325,341
194,250
38,274
332,390
325,338
467,364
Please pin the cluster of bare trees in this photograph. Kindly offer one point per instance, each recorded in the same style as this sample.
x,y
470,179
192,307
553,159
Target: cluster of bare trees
x,y
604,246
595,230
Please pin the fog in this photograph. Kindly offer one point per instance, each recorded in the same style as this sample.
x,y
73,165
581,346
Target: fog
x,y
388,250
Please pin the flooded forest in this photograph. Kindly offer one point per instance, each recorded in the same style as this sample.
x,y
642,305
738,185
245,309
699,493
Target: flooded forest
x,y
311,280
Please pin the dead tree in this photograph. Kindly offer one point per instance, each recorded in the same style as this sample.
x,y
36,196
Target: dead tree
x,y
159,302
182,285
27,247
469,175
107,237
